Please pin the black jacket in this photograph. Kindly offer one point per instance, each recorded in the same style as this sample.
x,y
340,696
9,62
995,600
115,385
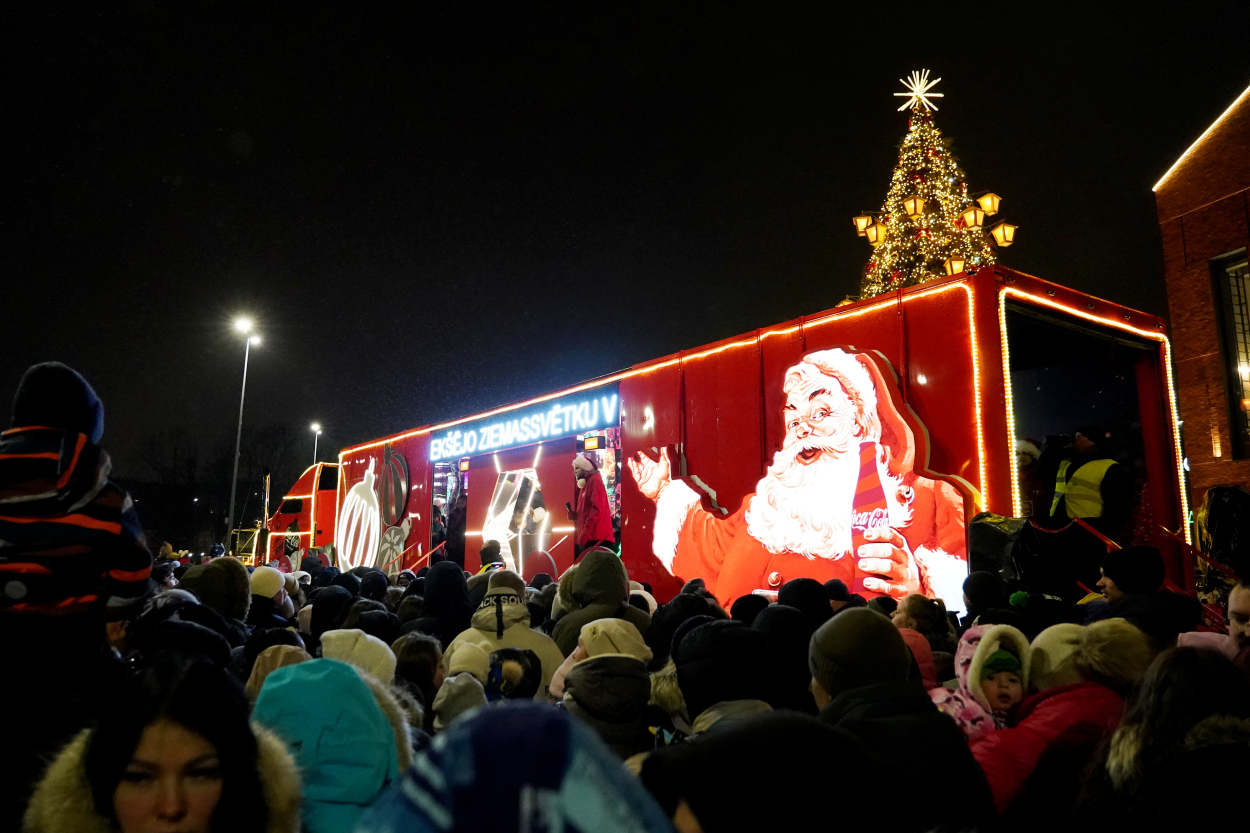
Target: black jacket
x,y
898,722
265,614
611,694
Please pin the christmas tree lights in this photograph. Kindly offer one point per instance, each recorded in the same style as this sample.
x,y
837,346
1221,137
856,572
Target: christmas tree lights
x,y
929,226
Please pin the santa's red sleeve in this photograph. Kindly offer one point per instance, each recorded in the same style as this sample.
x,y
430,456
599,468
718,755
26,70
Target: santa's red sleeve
x,y
689,540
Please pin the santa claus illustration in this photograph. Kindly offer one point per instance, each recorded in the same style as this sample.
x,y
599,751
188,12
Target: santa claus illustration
x,y
799,521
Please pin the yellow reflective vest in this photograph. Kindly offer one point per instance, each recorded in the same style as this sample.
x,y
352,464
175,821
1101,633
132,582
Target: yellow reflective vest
x,y
1082,489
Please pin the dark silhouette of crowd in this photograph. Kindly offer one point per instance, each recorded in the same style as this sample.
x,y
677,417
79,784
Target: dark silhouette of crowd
x,y
222,697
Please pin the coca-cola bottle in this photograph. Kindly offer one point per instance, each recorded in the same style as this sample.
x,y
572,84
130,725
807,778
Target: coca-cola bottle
x,y
870,511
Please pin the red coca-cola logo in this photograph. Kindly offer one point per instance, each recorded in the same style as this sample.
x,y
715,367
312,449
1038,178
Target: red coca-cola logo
x,y
876,519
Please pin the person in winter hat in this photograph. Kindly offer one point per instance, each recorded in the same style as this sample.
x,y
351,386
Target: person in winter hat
x,y
982,591
517,766
447,610
71,543
860,678
987,659
1129,571
348,738
809,597
223,585
592,512
269,594
463,687
609,687
602,636
359,649
712,662
706,783
839,594
270,660
229,775
503,621
746,608
599,589
788,633
1081,676
373,585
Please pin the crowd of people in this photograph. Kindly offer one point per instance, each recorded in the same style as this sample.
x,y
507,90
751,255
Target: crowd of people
x,y
221,697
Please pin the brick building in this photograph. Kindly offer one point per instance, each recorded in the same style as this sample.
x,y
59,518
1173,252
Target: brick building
x,y
1203,204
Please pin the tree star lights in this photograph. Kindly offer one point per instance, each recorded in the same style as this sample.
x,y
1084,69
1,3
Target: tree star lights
x,y
918,87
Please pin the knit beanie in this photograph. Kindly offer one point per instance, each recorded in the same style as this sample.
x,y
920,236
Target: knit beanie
x,y
1053,656
1000,661
836,590
614,637
506,578
348,582
856,648
311,564
720,661
459,694
373,586
1134,570
809,596
365,652
266,581
470,658
746,608
270,660
223,585
53,395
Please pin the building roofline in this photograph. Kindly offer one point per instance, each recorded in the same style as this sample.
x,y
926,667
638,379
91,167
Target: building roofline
x,y
1204,135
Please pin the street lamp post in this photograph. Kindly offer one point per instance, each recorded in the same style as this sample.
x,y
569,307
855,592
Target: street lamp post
x,y
316,429
244,326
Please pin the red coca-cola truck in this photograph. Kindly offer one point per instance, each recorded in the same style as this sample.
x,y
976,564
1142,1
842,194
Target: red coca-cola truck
x,y
740,462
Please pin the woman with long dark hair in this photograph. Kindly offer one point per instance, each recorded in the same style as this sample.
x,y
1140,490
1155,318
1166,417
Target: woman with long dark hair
x,y
1190,701
174,751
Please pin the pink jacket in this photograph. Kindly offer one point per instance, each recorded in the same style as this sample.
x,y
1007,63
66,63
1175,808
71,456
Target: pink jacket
x,y
967,705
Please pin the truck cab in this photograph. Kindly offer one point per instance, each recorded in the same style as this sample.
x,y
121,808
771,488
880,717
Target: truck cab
x,y
304,519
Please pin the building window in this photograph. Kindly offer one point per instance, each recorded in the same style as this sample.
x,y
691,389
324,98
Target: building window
x,y
1233,275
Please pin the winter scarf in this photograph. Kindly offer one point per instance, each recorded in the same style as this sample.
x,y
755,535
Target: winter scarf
x,y
967,705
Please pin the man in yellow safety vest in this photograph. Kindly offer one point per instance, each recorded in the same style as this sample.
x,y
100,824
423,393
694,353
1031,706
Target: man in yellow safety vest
x,y
1091,485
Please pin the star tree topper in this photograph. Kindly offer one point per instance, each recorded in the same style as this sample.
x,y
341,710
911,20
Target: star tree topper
x,y
918,91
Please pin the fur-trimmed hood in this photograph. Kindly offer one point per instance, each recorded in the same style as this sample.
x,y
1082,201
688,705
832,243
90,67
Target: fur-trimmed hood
x,y
62,803
665,693
976,646
967,705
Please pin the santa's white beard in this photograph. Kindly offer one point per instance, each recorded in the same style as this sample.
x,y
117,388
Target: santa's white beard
x,y
806,508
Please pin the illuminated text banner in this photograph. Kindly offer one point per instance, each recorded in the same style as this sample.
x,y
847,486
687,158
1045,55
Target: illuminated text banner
x,y
577,413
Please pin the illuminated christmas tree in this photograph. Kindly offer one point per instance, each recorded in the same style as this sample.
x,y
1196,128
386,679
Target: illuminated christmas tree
x,y
928,227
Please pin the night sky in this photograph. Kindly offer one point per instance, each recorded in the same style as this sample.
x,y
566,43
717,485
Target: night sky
x,y
433,212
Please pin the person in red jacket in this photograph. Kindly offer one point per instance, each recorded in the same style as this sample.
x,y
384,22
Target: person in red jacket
x,y
592,518
1081,675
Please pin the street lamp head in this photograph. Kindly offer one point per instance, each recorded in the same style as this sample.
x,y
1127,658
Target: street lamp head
x,y
316,426
254,340
243,324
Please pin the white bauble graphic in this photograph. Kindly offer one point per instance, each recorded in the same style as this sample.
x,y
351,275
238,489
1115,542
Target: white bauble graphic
x,y
360,523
